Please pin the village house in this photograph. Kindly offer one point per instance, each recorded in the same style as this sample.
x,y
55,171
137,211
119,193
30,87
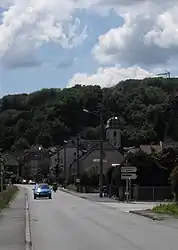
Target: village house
x,y
92,158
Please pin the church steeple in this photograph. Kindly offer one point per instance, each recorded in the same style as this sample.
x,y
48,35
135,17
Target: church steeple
x,y
113,131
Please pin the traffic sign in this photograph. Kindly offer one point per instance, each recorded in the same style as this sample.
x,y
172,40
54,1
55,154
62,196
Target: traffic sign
x,y
77,180
127,176
128,169
98,160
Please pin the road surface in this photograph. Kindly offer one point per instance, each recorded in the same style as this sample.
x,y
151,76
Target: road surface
x,y
68,222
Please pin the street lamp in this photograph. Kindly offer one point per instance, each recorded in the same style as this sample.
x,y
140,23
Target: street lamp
x,y
40,148
100,115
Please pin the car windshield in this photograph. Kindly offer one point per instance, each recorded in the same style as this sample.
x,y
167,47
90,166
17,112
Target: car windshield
x,y
43,186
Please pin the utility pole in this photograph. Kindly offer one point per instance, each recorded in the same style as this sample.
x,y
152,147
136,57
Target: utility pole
x,y
65,172
57,166
78,166
101,154
1,173
101,148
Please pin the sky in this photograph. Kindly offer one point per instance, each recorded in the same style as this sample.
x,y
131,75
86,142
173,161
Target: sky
x,y
58,44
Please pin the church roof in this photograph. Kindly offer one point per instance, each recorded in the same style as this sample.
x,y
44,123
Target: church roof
x,y
113,123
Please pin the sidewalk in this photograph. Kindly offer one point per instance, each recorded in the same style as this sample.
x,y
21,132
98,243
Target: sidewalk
x,y
90,196
12,224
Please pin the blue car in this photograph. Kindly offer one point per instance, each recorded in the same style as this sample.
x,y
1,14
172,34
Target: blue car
x,y
42,190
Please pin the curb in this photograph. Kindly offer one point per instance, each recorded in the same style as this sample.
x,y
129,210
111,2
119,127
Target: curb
x,y
71,192
149,216
28,241
79,195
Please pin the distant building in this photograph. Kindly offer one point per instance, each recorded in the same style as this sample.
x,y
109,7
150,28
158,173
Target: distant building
x,y
57,159
92,158
36,162
151,149
113,134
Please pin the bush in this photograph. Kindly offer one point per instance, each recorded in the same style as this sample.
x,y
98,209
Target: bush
x,y
6,196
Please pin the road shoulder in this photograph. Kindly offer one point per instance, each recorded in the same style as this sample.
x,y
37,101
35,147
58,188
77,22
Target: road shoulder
x,y
12,224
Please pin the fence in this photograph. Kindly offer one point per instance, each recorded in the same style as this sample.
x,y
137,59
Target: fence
x,y
152,193
138,193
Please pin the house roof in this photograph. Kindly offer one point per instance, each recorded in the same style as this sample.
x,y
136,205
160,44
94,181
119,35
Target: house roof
x,y
85,144
113,123
10,160
106,146
170,145
68,145
149,149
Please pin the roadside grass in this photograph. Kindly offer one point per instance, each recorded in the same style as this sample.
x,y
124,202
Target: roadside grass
x,y
6,196
170,209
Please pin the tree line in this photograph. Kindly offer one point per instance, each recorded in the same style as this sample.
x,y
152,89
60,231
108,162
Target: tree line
x,y
145,108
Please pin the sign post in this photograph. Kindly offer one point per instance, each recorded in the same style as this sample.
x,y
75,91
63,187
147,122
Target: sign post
x,y
128,173
127,190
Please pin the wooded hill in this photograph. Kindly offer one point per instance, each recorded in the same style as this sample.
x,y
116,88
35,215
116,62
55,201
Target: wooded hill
x,y
145,107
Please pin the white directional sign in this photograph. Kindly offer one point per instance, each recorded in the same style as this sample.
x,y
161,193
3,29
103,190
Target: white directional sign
x,y
98,160
77,180
127,176
128,169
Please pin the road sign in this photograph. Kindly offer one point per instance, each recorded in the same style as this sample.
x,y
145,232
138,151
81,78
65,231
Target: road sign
x,y
128,169
127,176
98,160
77,180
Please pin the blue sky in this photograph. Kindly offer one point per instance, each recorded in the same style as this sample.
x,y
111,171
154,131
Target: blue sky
x,y
57,44
51,74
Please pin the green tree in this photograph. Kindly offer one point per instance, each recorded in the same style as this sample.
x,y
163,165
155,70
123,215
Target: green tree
x,y
146,108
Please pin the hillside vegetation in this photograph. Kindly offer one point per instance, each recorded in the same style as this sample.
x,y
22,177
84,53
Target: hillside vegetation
x,y
49,116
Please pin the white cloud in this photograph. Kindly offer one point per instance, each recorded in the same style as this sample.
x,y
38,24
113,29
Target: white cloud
x,y
28,24
149,36
109,76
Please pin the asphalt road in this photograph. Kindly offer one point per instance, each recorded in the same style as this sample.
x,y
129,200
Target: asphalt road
x,y
68,222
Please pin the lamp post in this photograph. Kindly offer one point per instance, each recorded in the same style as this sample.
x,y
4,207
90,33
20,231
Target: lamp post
x,y
40,150
78,166
100,115
102,137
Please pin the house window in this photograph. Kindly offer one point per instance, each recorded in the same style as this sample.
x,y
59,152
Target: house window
x,y
114,133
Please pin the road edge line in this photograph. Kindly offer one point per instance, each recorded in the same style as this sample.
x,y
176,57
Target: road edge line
x,y
28,239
